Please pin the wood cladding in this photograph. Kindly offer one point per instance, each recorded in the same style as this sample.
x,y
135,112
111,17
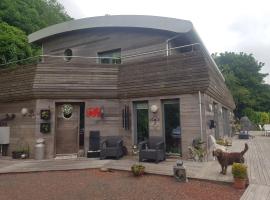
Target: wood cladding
x,y
17,83
183,73
75,80
178,74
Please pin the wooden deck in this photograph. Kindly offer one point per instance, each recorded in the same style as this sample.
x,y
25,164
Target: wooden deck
x,y
197,170
258,161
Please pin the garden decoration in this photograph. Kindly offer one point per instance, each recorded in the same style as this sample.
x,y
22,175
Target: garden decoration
x,y
67,110
239,172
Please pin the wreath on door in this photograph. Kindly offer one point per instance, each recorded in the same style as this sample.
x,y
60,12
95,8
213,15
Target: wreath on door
x,y
67,110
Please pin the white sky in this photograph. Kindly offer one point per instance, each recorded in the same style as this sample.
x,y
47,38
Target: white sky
x,y
231,25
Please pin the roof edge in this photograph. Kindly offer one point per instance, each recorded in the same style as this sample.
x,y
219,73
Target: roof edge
x,y
121,21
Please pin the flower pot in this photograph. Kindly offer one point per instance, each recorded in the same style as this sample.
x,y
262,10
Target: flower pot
x,y
239,183
16,154
45,114
137,170
138,173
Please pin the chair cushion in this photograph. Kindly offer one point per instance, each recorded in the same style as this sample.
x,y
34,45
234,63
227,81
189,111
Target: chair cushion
x,y
153,142
112,141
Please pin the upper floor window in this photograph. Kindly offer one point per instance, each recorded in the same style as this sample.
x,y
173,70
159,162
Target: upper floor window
x,y
110,57
67,55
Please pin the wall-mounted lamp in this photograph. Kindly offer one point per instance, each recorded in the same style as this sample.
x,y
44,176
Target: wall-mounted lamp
x,y
154,108
26,112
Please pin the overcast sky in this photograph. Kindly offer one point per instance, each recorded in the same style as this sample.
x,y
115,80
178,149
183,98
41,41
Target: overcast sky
x,y
231,25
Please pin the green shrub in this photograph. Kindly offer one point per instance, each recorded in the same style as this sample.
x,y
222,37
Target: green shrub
x,y
137,169
264,118
239,170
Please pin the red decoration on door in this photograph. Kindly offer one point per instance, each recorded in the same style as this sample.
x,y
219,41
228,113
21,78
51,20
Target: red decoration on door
x,y
93,112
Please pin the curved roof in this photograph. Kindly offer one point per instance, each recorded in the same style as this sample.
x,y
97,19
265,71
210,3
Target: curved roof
x,y
136,21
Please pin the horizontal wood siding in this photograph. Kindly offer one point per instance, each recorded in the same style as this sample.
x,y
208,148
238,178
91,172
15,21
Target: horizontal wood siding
x,y
90,42
178,74
72,80
22,128
16,84
218,89
183,73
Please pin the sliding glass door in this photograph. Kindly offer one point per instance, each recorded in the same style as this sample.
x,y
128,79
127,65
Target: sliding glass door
x,y
172,129
141,121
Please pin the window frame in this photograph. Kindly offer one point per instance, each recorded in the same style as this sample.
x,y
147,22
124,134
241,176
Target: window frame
x,y
106,57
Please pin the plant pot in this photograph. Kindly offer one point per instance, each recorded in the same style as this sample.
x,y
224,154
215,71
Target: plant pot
x,y
137,170
138,173
16,154
239,183
45,127
45,114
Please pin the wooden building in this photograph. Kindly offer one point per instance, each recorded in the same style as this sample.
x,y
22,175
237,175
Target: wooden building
x,y
133,76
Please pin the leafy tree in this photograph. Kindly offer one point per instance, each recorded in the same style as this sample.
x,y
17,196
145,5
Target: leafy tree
x,y
246,82
32,15
264,118
21,17
13,43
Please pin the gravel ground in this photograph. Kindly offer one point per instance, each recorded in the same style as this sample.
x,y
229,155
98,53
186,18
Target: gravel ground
x,y
118,185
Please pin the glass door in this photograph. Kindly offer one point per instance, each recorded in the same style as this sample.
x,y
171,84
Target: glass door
x,y
141,121
172,129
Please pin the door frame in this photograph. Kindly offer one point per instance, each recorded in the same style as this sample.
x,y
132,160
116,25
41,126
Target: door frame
x,y
56,121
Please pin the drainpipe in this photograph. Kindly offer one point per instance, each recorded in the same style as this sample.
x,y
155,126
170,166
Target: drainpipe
x,y
168,41
200,108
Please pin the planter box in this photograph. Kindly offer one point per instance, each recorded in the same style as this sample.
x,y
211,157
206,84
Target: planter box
x,y
45,114
93,154
45,127
18,154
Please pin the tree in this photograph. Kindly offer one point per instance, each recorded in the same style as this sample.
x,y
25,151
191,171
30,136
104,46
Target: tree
x,y
32,15
13,43
19,18
244,79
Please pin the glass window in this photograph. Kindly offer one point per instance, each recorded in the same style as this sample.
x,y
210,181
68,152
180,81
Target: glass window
x,y
172,128
68,55
110,57
142,121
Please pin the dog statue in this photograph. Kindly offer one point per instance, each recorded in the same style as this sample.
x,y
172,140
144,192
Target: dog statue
x,y
225,159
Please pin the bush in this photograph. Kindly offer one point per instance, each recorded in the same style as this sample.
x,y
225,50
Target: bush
x,y
239,170
264,118
137,169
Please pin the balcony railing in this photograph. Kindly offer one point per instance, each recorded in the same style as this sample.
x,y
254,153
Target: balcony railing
x,y
124,58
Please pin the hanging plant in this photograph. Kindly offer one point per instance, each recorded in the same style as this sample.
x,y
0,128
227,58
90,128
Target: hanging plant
x,y
45,127
45,114
67,110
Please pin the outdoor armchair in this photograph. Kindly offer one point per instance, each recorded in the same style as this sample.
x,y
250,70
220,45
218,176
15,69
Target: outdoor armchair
x,y
111,146
153,149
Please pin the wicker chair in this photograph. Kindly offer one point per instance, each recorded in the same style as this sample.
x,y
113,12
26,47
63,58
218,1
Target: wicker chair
x,y
111,146
153,149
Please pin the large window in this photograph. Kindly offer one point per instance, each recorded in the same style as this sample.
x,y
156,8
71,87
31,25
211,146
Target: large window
x,y
172,128
141,121
110,57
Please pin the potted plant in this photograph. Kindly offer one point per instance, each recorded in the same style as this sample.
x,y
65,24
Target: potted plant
x,y
45,127
137,169
21,152
45,114
239,172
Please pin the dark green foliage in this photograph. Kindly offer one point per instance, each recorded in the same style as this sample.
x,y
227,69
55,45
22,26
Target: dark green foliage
x,y
32,15
244,79
13,43
21,17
